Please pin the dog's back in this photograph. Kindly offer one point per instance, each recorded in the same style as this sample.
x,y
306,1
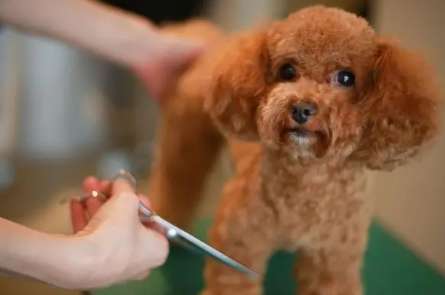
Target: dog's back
x,y
188,141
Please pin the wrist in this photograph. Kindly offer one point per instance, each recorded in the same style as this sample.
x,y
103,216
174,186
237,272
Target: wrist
x,y
54,259
133,46
63,261
77,261
83,262
93,263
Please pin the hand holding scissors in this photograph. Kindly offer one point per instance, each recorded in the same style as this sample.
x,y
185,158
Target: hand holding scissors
x,y
169,230
122,248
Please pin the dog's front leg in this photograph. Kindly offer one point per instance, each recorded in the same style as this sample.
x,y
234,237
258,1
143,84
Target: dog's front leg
x,y
333,269
246,234
250,250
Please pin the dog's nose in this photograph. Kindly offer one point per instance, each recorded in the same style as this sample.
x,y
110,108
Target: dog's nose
x,y
303,111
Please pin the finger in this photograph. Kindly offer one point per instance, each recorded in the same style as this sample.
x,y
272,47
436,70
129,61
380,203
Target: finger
x,y
90,183
173,56
180,52
147,222
144,199
105,187
92,205
121,185
78,218
169,44
124,198
155,247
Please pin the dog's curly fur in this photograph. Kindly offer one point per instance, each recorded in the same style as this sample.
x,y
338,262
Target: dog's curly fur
x,y
296,186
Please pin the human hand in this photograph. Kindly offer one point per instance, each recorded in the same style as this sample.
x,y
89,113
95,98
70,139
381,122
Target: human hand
x,y
124,249
166,57
121,37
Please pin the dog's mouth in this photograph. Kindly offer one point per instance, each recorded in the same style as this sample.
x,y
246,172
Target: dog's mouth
x,y
316,141
303,137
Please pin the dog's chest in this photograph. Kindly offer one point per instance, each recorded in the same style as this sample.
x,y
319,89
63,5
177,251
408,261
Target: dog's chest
x,y
310,204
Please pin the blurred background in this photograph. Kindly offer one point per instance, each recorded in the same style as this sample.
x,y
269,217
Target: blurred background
x,y
65,114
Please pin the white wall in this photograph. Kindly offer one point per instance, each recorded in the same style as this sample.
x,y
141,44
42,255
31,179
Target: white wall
x,y
411,200
9,80
61,104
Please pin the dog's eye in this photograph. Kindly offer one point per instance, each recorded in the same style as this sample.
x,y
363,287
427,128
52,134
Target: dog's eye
x,y
287,72
344,78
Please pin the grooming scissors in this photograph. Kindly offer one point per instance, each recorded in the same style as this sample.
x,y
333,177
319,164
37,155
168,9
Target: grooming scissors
x,y
177,235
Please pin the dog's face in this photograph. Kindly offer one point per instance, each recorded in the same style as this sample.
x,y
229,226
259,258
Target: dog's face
x,y
318,65
321,84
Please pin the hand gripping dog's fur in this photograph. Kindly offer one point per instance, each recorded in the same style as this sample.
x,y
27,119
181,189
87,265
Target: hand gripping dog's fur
x,y
307,104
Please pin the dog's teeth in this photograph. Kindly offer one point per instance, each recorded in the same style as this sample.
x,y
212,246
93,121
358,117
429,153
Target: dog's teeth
x,y
301,140
304,140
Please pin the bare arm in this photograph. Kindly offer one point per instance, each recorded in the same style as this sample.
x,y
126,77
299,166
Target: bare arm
x,y
111,33
49,258
111,247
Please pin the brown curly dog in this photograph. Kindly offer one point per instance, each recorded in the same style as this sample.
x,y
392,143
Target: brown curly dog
x,y
306,105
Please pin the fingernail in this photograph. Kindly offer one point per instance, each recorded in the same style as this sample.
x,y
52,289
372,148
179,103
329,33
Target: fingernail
x,y
127,176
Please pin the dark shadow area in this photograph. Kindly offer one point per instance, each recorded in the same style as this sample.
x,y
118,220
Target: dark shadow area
x,y
159,11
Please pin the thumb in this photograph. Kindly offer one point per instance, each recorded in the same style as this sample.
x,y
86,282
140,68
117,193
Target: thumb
x,y
123,203
121,186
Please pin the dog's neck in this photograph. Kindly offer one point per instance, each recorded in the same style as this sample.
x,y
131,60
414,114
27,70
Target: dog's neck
x,y
293,165
287,170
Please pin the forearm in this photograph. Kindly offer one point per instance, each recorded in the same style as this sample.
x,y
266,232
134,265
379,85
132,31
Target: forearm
x,y
54,259
116,35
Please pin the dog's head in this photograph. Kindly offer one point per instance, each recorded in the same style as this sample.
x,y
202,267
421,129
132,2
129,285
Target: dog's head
x,y
322,84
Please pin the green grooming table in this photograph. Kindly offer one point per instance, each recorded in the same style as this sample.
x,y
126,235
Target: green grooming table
x,y
390,269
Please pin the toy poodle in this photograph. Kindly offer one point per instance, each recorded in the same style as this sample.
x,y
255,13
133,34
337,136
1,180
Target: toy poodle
x,y
306,105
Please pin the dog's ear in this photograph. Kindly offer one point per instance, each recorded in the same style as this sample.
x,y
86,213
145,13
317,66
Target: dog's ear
x,y
238,84
400,108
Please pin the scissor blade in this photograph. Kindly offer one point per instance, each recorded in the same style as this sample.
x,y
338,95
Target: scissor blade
x,y
185,239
